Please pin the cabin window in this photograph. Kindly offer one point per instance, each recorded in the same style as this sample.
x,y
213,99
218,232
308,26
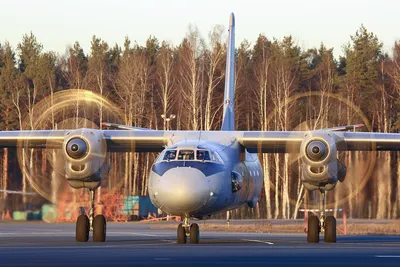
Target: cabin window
x,y
170,155
203,155
186,155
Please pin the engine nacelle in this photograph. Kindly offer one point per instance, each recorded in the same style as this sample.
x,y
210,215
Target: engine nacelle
x,y
85,153
320,167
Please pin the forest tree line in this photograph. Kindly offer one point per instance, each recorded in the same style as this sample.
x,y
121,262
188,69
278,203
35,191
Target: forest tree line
x,y
279,86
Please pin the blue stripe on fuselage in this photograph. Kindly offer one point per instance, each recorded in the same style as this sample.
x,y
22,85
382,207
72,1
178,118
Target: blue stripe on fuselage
x,y
207,168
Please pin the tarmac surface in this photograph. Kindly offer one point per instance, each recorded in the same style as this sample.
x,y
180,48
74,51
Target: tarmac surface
x,y
134,244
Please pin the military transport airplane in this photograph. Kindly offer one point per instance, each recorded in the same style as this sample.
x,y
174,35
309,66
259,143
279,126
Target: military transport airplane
x,y
199,173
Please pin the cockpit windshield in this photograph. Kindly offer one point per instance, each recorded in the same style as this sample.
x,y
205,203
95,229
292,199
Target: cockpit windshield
x,y
186,155
215,157
189,154
170,155
203,155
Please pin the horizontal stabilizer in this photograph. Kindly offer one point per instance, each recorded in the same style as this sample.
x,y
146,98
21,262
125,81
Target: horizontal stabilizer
x,y
343,128
116,126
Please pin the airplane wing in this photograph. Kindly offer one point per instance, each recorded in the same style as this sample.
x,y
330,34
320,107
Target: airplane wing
x,y
255,141
290,142
370,141
135,141
32,139
117,140
271,141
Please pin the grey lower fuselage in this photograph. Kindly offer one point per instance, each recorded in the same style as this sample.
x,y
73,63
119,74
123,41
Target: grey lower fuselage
x,y
197,188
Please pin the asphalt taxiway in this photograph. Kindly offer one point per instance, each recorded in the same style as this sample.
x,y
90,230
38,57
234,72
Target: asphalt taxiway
x,y
134,244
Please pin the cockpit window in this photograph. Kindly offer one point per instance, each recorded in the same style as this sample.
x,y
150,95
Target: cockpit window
x,y
215,157
186,155
203,155
170,155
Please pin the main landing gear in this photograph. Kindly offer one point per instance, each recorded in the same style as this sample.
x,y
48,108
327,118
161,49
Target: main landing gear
x,y
186,230
84,224
326,225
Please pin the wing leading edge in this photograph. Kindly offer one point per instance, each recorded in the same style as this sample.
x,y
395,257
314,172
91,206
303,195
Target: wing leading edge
x,y
290,142
117,140
136,141
32,139
254,141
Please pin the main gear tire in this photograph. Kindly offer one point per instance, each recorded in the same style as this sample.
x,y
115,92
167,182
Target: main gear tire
x,y
313,229
99,228
330,230
82,228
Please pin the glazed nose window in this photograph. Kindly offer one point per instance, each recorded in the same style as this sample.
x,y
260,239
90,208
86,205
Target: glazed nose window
x,y
186,155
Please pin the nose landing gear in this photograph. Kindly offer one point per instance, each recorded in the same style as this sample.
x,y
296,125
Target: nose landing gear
x,y
186,230
326,225
181,234
85,223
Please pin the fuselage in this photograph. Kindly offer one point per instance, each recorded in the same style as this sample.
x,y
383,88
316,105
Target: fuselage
x,y
202,176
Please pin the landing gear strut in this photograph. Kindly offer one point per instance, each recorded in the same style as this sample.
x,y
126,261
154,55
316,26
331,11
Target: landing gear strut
x,y
186,230
326,225
84,224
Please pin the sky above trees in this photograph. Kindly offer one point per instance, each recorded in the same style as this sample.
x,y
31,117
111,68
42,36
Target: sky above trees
x,y
310,22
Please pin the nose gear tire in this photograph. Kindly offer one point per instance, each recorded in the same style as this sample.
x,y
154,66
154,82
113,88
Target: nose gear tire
x,y
181,234
194,233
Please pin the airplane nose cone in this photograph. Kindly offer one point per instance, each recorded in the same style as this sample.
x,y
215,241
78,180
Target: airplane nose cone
x,y
183,190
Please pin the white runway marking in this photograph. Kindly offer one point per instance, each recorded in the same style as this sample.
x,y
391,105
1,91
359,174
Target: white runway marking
x,y
169,241
387,256
258,241
143,234
134,233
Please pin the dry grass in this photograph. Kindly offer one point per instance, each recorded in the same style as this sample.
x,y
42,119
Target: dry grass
x,y
390,228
